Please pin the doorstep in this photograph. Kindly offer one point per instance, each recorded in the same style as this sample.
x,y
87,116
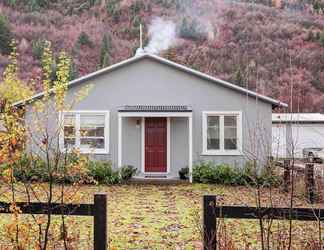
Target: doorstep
x,y
156,179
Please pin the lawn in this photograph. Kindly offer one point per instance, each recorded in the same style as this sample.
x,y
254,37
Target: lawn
x,y
168,216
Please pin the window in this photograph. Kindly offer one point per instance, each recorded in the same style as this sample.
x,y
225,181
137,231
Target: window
x,y
230,132
86,131
222,133
213,133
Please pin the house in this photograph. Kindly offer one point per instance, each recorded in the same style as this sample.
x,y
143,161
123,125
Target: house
x,y
160,116
292,132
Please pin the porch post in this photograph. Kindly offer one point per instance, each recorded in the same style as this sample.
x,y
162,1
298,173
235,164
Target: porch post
x,y
120,127
190,147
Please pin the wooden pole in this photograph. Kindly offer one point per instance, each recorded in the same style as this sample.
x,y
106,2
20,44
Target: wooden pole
x,y
287,176
100,221
209,220
310,182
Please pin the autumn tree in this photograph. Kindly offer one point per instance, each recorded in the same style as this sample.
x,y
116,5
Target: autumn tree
x,y
20,162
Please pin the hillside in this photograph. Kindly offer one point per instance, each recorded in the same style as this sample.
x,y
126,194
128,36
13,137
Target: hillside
x,y
278,52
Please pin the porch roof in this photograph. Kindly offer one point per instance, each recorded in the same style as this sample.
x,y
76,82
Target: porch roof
x,y
155,108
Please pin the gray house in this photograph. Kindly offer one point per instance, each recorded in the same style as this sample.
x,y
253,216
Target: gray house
x,y
160,116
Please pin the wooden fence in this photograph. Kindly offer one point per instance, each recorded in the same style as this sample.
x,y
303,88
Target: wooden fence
x,y
98,210
211,212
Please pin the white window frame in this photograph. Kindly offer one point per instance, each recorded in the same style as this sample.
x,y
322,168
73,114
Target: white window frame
x,y
77,113
222,151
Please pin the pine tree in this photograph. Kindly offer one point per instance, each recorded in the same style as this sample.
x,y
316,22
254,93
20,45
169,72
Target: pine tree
x,y
73,71
104,51
84,39
321,39
239,77
5,36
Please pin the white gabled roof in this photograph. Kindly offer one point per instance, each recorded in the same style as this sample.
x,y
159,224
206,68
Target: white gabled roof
x,y
234,87
297,117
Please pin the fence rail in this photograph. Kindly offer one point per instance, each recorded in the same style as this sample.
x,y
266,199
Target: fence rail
x,y
211,212
98,210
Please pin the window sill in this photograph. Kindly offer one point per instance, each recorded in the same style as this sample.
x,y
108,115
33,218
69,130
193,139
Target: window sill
x,y
94,152
224,153
88,151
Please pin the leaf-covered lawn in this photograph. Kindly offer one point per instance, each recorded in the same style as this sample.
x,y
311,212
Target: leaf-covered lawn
x,y
168,216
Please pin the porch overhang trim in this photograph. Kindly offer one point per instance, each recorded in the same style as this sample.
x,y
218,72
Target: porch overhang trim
x,y
155,108
155,114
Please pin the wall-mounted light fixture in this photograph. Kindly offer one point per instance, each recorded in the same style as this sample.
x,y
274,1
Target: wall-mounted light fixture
x,y
138,123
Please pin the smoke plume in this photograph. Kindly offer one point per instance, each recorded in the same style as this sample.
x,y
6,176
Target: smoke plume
x,y
162,35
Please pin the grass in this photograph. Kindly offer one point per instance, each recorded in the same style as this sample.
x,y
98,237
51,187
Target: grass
x,y
167,216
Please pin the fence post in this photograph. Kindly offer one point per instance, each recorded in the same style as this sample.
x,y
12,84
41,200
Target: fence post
x,y
209,220
310,182
100,221
286,175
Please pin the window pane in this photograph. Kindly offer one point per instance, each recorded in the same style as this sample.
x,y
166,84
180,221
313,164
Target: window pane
x,y
69,142
230,132
92,143
92,120
230,121
69,120
92,131
69,130
213,132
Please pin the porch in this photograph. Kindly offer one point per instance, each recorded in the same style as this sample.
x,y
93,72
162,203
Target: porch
x,y
157,140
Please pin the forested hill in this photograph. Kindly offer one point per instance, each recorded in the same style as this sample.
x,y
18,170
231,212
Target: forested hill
x,y
276,48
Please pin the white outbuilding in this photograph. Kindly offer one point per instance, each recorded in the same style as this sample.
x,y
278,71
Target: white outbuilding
x,y
292,132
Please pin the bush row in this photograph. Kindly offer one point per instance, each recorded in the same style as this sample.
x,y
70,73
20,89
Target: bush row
x,y
75,169
209,172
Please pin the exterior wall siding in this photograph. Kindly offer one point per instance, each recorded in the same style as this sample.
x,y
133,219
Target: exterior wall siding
x,y
148,82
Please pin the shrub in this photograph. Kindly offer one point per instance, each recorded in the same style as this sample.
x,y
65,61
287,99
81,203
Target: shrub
x,y
204,172
228,175
114,178
99,170
5,36
208,172
36,169
266,176
127,172
27,169
102,172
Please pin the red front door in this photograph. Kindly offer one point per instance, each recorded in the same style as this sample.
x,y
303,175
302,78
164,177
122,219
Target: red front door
x,y
156,144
